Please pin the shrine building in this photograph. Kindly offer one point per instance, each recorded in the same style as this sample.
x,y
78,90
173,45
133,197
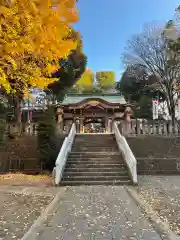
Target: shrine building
x,y
92,112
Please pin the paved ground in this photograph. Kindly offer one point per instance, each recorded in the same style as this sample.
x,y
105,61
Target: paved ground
x,y
20,206
162,193
98,212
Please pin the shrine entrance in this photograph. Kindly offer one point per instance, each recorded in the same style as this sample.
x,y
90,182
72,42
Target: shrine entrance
x,y
94,125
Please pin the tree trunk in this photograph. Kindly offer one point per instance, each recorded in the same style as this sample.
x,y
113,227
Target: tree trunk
x,y
171,109
17,109
17,112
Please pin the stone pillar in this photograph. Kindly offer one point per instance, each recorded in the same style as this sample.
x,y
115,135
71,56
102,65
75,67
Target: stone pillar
x,y
77,122
138,127
109,125
106,124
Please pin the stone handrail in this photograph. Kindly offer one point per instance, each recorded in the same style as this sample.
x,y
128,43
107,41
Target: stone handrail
x,y
62,156
126,153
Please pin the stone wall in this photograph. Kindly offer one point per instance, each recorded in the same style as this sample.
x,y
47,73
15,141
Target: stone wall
x,y
156,154
167,166
22,154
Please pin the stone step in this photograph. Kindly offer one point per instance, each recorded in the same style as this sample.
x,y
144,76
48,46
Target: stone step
x,y
99,141
97,165
98,158
103,139
112,155
94,154
96,151
90,137
94,169
93,149
95,141
94,174
95,182
94,144
94,135
94,161
105,160
95,138
92,178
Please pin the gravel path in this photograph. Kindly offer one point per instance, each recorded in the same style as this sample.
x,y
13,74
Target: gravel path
x,y
162,193
98,212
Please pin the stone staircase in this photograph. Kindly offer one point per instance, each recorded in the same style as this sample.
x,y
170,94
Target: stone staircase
x,y
95,160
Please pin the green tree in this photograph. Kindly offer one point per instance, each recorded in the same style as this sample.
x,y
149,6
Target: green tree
x,y
138,88
130,86
105,80
70,71
143,109
172,33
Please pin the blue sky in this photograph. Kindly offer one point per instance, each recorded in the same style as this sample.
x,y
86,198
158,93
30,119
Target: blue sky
x,y
106,25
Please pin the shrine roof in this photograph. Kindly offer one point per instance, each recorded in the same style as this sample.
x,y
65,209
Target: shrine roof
x,y
75,98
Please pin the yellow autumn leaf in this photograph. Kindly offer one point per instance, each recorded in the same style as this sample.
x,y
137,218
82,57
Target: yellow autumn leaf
x,y
33,37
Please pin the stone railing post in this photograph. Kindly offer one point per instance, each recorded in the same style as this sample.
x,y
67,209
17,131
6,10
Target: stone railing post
x,y
138,128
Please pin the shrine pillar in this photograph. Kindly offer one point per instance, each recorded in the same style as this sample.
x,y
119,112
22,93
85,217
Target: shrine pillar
x,y
81,125
77,122
106,124
109,125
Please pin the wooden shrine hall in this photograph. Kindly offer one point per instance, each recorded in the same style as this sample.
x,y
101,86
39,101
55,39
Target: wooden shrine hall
x,y
92,113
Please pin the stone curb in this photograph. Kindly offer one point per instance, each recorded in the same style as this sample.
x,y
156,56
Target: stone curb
x,y
161,227
31,233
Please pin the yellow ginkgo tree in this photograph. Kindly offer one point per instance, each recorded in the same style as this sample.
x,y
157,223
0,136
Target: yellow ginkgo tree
x,y
86,82
33,37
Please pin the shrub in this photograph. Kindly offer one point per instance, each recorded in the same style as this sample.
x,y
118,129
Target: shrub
x,y
46,138
3,134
